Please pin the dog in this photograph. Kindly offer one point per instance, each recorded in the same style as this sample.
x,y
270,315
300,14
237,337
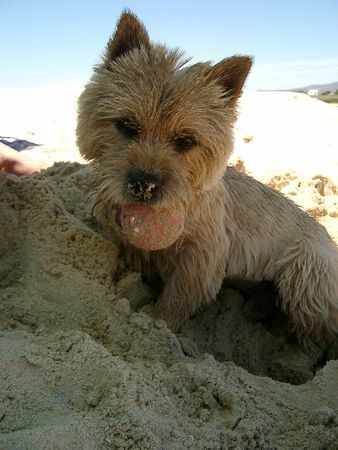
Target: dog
x,y
160,132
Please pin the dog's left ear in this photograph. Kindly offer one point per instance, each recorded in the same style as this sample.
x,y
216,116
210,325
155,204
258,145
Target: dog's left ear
x,y
130,33
231,73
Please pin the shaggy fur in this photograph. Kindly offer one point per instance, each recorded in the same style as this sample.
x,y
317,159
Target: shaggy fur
x,y
145,110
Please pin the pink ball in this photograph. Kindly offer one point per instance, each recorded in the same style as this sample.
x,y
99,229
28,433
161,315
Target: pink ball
x,y
151,228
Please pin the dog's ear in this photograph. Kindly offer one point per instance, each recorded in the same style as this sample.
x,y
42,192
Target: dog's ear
x,y
231,73
130,33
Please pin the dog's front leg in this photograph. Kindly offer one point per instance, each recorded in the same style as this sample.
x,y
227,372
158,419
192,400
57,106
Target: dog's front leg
x,y
194,280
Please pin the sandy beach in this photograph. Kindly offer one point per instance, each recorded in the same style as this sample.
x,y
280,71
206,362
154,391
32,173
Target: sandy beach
x,y
82,368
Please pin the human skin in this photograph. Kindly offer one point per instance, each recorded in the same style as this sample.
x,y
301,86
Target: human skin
x,y
16,163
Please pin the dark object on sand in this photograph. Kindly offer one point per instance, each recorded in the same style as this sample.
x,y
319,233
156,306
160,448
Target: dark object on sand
x,y
18,144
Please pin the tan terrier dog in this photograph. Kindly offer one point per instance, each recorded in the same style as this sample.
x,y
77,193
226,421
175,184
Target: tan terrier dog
x,y
161,135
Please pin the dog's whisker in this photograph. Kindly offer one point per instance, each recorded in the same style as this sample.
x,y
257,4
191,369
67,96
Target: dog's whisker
x,y
93,209
200,189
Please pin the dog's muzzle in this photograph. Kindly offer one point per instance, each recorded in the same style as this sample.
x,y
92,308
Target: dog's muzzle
x,y
142,185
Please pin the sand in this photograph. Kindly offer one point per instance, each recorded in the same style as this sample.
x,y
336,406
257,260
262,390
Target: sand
x,y
83,368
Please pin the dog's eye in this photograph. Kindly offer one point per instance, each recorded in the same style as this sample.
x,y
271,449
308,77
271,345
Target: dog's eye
x,y
184,143
127,128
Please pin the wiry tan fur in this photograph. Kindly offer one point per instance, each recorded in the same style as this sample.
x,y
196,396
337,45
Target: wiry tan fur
x,y
235,226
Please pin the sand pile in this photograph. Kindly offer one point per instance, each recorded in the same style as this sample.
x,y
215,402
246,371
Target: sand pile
x,y
82,368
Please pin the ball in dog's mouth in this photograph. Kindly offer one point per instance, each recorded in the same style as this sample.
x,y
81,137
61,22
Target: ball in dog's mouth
x,y
148,227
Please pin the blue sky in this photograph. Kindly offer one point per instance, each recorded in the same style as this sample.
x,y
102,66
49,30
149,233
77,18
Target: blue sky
x,y
294,42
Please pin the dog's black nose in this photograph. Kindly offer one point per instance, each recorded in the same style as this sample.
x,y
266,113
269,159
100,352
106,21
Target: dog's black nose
x,y
142,185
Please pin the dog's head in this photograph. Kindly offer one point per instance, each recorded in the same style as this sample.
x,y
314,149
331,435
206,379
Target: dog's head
x,y
157,130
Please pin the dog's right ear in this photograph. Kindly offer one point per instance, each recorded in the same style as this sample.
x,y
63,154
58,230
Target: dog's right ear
x,y
130,33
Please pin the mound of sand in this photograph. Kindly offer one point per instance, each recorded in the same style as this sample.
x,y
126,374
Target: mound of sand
x,y
83,368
